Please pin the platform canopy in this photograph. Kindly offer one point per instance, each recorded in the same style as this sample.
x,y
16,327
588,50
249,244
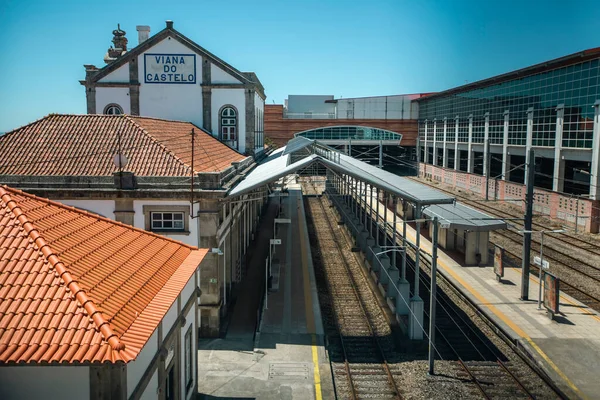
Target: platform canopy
x,y
302,153
460,216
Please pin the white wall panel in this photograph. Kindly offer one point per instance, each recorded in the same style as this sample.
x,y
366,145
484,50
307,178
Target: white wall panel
x,y
175,101
217,75
137,367
121,74
105,208
109,95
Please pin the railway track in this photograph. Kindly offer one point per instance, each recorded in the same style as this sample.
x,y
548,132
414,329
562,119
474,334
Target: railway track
x,y
492,374
358,350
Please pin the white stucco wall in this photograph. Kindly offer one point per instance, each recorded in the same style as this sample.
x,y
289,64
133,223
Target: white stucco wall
x,y
217,75
170,318
151,391
236,98
44,382
121,74
108,95
137,367
139,222
105,208
171,100
188,289
190,320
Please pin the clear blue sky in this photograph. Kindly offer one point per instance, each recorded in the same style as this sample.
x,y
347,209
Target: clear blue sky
x,y
344,48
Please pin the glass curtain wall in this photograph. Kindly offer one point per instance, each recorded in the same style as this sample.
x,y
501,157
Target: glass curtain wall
x,y
576,87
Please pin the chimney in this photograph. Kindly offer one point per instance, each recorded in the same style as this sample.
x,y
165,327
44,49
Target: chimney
x,y
169,24
143,33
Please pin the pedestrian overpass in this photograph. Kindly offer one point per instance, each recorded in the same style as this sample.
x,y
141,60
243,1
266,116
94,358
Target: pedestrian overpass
x,y
344,137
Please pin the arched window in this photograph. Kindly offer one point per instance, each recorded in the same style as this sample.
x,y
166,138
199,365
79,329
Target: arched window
x,y
228,122
113,109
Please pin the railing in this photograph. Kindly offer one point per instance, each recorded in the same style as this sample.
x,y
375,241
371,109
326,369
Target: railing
x,y
308,115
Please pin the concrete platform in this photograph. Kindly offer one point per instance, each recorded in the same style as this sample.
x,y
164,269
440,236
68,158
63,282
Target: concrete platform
x,y
567,348
286,359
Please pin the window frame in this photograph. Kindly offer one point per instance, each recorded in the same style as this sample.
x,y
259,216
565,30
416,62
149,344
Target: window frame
x,y
188,359
232,128
111,106
149,210
164,220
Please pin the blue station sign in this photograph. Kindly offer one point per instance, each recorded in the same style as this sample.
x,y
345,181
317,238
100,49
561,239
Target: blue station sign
x,y
170,68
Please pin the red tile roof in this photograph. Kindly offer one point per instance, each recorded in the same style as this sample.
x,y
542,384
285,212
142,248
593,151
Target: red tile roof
x,y
76,287
84,145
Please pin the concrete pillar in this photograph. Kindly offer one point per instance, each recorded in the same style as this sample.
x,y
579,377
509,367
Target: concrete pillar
x,y
486,138
456,153
470,158
505,156
444,145
529,140
434,142
595,171
558,178
426,156
211,280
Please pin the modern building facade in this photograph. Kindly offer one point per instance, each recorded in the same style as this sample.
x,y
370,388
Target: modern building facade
x,y
169,76
550,107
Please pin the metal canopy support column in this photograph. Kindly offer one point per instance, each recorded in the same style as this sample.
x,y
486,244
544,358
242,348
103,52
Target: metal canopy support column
x,y
433,298
380,154
403,300
377,221
415,325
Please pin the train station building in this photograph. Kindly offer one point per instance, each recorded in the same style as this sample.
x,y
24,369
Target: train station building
x,y
169,76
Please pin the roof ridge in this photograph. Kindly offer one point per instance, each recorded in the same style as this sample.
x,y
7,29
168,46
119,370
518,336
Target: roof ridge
x,y
159,143
6,134
61,269
92,215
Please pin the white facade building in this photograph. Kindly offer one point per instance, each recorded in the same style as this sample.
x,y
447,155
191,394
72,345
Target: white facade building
x,y
169,76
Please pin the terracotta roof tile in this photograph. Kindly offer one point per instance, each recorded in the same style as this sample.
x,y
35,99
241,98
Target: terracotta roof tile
x,y
76,287
84,145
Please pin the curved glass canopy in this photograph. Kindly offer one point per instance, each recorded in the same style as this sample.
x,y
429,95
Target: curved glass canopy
x,y
350,132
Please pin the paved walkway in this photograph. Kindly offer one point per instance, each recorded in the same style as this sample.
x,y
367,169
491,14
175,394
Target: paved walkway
x,y
567,348
289,360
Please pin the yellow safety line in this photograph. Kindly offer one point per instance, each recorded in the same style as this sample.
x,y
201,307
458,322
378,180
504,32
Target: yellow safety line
x,y
506,320
310,318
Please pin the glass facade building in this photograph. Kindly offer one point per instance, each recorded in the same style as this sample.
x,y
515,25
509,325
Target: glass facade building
x,y
576,87
350,132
